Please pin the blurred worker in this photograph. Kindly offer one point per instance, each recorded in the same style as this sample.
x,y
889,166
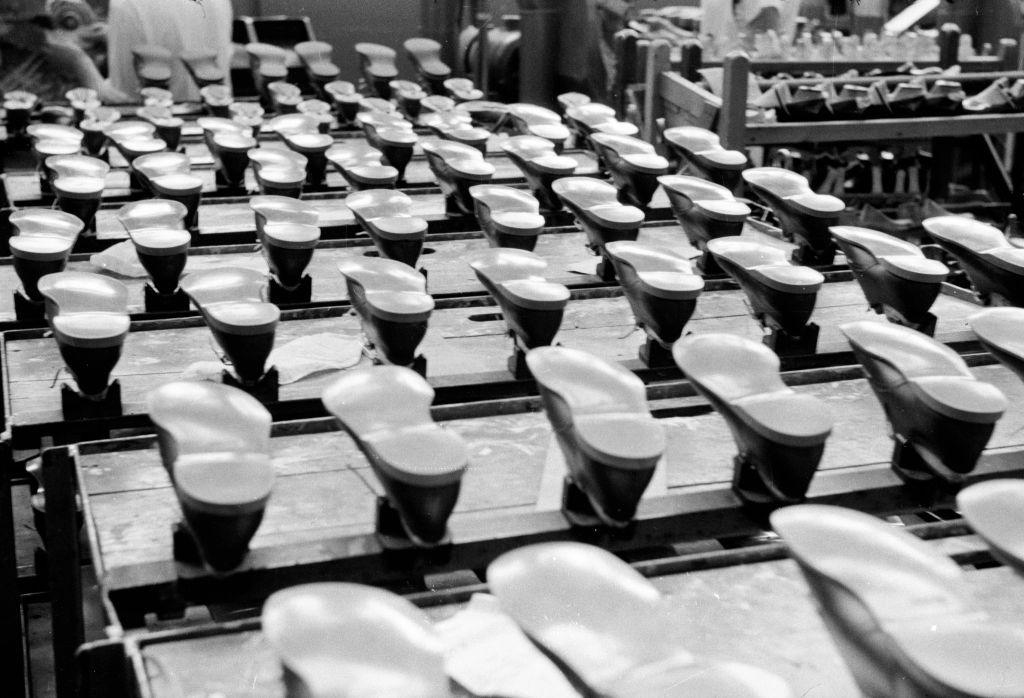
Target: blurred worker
x,y
726,20
177,25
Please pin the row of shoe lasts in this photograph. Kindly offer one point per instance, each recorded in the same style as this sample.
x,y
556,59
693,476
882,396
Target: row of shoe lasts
x,y
913,98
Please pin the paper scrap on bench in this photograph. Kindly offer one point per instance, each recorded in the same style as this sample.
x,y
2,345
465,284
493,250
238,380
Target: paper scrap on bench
x,y
314,353
295,360
487,653
120,259
586,266
549,496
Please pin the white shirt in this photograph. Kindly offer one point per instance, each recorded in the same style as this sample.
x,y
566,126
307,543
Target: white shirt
x,y
724,22
176,25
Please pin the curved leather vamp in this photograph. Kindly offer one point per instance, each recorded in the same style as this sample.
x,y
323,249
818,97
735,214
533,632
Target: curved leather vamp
x,y
471,168
177,184
377,274
671,285
649,163
425,54
788,278
730,366
1002,328
287,124
397,137
519,222
778,181
224,483
400,306
590,609
42,248
283,209
78,291
77,187
166,162
617,215
695,189
895,574
317,57
965,656
51,148
591,113
48,222
500,264
585,192
400,227
535,294
406,89
722,158
93,330
233,284
723,210
373,174
994,509
553,132
588,384
242,317
747,254
297,236
498,197
379,60
913,354
967,232
786,417
376,203
915,268
203,417
269,156
554,164
84,165
876,243
350,155
348,639
961,398
282,175
528,147
533,114
821,205
309,142
623,440
692,138
623,145
153,213
161,241
424,455
43,131
234,142
134,147
617,128
1009,258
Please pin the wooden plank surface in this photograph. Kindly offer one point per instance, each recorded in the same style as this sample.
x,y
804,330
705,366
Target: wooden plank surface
x,y
445,262
464,345
760,614
325,487
24,186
